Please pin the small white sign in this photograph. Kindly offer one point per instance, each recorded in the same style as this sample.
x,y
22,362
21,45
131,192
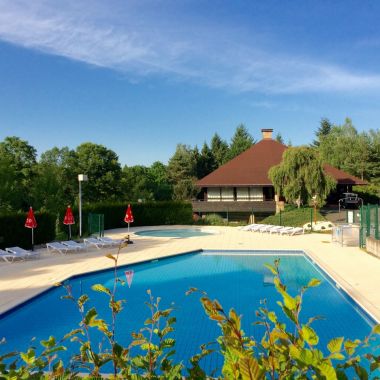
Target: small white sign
x,y
350,217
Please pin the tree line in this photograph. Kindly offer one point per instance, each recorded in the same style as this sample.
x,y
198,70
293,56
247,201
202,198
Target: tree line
x,y
51,181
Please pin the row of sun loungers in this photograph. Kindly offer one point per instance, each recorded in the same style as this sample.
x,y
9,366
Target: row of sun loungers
x,y
13,254
72,246
272,229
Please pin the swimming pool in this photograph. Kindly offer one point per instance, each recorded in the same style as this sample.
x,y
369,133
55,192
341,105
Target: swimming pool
x,y
236,278
175,233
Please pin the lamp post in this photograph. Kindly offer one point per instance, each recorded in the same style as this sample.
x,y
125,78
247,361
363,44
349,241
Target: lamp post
x,y
81,178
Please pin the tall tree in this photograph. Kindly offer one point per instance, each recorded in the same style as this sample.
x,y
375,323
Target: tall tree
x,y
206,162
22,160
11,194
56,184
300,176
374,156
182,172
323,131
136,183
219,149
103,170
162,189
346,149
241,141
279,138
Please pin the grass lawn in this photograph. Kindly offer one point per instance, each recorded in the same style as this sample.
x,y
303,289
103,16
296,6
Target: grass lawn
x,y
293,217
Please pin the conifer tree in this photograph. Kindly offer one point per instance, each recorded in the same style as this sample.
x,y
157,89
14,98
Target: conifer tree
x,y
323,130
219,149
241,141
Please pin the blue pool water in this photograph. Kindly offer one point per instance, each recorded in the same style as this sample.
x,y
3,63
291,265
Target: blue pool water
x,y
236,278
174,233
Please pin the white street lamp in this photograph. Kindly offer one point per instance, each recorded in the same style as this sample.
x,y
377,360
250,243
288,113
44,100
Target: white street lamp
x,y
81,178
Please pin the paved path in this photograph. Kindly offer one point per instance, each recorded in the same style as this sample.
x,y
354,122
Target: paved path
x,y
356,271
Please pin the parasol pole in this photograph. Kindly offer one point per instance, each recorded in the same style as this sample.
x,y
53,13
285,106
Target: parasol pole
x,y
69,231
32,239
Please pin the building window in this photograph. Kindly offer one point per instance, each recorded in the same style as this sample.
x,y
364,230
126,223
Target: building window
x,y
256,194
227,194
242,194
213,194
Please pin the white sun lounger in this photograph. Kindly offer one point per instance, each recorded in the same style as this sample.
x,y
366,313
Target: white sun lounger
x,y
293,231
108,241
274,229
249,227
266,228
10,257
59,247
257,227
74,245
22,252
95,242
283,230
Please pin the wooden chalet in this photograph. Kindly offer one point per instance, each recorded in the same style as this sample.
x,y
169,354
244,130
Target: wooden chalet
x,y
242,184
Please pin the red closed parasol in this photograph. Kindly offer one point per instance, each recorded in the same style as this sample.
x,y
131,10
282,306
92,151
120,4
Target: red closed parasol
x,y
68,220
128,216
31,223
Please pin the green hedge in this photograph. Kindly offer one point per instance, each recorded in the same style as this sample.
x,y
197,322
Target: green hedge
x,y
13,232
145,214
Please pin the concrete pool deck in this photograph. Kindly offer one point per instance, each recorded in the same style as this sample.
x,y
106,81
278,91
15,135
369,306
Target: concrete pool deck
x,y
354,270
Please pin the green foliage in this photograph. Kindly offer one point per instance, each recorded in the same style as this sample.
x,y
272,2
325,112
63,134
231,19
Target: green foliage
x,y
279,138
293,217
219,149
182,172
240,142
285,351
300,176
213,220
206,162
323,131
55,185
17,167
145,213
347,149
103,170
369,194
146,183
13,232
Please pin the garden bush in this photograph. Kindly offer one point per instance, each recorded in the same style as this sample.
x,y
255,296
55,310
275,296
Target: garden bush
x,y
145,214
13,232
293,217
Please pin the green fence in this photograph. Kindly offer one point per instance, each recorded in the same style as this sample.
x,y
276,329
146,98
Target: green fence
x,y
369,223
96,224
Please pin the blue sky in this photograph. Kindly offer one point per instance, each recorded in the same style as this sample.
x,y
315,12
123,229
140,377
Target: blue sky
x,y
141,76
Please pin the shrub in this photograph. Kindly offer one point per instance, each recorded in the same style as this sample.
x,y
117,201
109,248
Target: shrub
x,y
214,220
13,232
293,217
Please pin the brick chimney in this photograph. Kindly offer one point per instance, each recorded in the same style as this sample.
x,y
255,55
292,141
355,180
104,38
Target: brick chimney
x,y
267,134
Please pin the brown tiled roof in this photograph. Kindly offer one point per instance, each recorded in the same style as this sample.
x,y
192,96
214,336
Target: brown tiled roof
x,y
342,177
251,168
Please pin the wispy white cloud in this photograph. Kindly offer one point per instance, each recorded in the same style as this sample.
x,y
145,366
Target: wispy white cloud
x,y
133,39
